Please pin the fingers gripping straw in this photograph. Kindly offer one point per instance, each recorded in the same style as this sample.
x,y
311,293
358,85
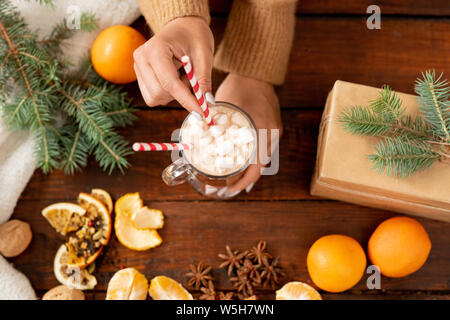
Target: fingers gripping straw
x,y
156,146
197,91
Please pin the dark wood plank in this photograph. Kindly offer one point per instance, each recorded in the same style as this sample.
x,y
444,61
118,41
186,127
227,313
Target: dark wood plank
x,y
197,231
326,49
388,7
292,181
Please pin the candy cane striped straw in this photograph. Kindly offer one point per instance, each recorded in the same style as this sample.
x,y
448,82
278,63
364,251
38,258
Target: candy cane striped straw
x,y
156,146
197,91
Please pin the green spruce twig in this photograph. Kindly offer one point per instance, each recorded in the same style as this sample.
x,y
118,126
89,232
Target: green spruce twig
x,y
72,118
409,144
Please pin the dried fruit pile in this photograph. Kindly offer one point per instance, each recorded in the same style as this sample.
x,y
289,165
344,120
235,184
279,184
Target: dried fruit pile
x,y
88,225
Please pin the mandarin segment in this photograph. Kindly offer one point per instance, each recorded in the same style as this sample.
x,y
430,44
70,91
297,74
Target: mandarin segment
x,y
127,284
165,288
296,290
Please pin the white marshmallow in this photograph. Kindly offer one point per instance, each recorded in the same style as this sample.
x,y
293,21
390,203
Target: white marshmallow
x,y
232,131
205,141
221,119
216,130
245,135
225,148
239,120
224,162
211,150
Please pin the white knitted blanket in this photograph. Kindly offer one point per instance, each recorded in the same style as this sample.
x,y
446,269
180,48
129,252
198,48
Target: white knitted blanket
x,y
16,148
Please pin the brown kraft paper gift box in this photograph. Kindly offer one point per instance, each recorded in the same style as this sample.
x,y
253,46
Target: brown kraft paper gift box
x,y
343,171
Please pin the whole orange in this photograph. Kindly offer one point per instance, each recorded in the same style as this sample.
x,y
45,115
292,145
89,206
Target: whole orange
x,y
336,262
399,246
112,53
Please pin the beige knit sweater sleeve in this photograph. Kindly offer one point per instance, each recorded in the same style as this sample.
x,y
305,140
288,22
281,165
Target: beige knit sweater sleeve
x,y
258,36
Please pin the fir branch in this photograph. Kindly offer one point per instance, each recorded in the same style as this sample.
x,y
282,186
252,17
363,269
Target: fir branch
x,y
434,102
34,93
388,104
410,144
401,157
90,117
47,149
363,121
110,153
31,104
76,147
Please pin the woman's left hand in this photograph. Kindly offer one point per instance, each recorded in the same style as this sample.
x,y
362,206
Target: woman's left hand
x,y
259,100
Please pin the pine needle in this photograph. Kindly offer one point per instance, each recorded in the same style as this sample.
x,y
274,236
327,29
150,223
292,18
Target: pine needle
x,y
401,157
434,102
363,121
34,93
409,144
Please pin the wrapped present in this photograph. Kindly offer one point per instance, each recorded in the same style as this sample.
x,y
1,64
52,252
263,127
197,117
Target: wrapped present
x,y
344,172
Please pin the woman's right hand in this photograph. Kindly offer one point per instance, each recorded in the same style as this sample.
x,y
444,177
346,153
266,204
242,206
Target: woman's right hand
x,y
156,62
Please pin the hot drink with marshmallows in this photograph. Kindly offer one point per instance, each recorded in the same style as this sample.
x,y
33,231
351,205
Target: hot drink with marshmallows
x,y
223,148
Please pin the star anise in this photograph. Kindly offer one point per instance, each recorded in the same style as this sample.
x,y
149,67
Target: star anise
x,y
233,259
209,292
225,296
271,273
199,276
259,252
251,271
242,284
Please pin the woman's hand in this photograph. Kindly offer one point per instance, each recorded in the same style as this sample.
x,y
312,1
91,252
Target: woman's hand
x,y
157,62
259,100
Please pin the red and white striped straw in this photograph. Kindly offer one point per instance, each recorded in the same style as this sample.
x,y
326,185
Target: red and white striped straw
x,y
197,91
156,146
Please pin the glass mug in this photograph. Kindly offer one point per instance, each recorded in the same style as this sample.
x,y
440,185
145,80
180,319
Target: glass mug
x,y
182,170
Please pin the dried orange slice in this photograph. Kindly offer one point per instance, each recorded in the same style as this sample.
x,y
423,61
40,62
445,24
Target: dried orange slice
x,y
77,278
99,221
126,232
104,198
64,217
127,284
146,218
82,252
165,288
296,290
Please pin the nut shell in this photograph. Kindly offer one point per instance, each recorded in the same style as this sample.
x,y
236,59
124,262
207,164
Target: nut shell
x,y
63,293
15,236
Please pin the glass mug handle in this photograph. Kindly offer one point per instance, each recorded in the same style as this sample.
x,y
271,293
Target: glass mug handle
x,y
176,173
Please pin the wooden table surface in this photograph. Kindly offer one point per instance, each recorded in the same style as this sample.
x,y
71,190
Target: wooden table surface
x,y
331,42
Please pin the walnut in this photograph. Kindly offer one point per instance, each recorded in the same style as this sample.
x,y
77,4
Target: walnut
x,y
15,236
63,293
